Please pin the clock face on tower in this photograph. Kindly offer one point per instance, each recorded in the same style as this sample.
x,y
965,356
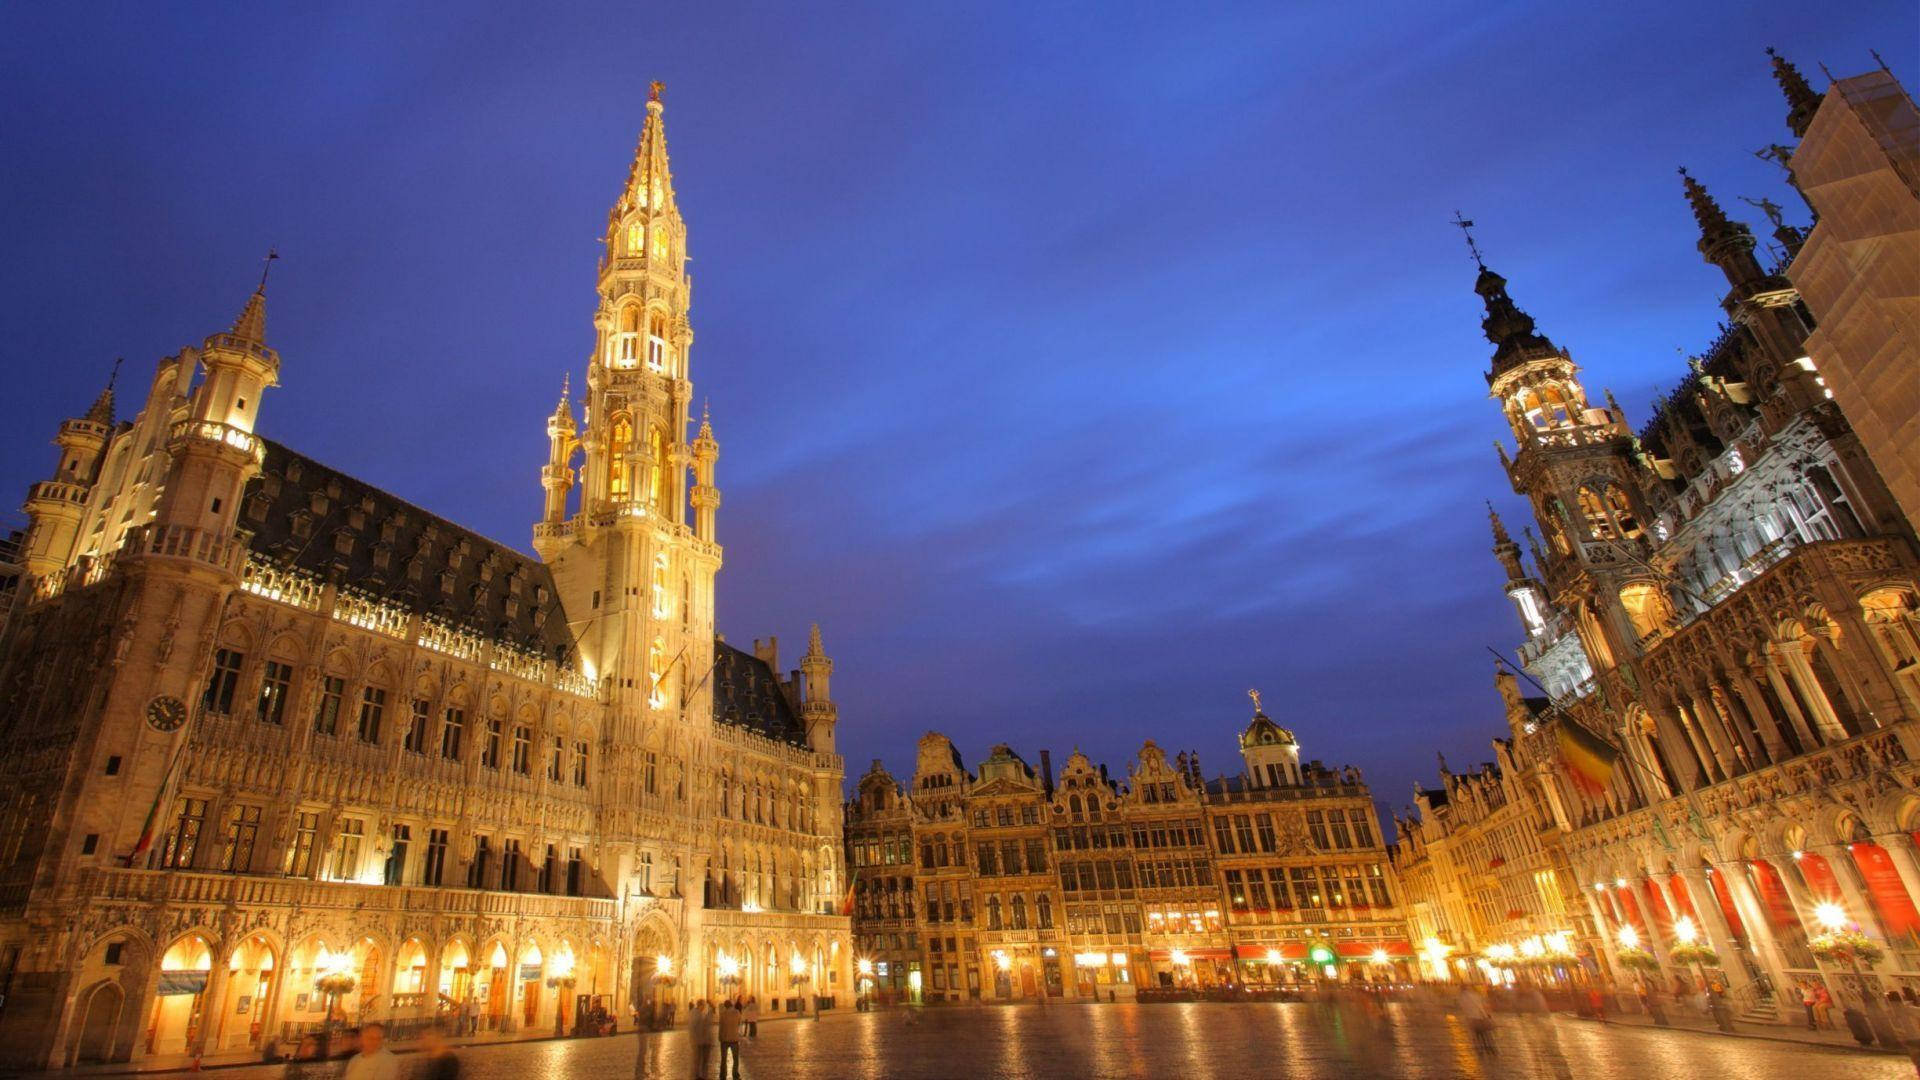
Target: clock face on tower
x,y
166,713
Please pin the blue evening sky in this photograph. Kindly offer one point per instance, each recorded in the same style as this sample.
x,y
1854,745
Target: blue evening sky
x,y
1076,367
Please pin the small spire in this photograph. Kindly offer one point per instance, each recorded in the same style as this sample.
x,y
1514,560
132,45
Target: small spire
x,y
654,89
1802,102
1466,228
566,387
102,410
252,323
1613,406
706,419
1511,330
1706,211
1499,529
814,647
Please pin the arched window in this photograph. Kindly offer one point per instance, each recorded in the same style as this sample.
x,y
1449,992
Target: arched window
x,y
636,238
1893,621
1554,521
620,455
1019,913
1544,406
626,340
662,596
657,341
1594,512
993,913
657,468
656,673
1622,511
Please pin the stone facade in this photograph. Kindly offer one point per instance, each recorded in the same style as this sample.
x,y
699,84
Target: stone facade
x,y
1012,884
1725,621
263,723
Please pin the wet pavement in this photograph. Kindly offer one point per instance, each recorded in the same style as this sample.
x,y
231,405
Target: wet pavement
x,y
1198,1041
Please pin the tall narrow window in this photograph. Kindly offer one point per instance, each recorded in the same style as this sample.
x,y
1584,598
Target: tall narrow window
x,y
326,717
477,869
416,740
373,708
574,881
190,816
580,763
523,751
1622,510
650,772
306,826
434,871
657,673
345,862
557,762
510,866
496,736
243,828
453,729
1594,512
636,238
274,683
657,342
221,684
396,864
626,342
620,459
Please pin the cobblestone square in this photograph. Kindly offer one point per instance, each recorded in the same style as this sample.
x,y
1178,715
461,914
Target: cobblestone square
x,y
1299,1041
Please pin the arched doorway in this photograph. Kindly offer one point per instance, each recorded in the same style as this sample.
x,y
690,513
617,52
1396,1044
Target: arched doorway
x,y
528,976
411,992
496,988
99,1017
179,1000
455,987
252,972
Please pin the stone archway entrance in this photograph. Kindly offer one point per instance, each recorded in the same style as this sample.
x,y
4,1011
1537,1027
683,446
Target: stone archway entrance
x,y
93,1036
654,975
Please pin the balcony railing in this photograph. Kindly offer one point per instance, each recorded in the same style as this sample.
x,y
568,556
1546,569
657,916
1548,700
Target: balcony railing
x,y
166,887
213,431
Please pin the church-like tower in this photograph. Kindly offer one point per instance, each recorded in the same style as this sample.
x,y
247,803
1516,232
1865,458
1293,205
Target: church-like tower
x,y
635,576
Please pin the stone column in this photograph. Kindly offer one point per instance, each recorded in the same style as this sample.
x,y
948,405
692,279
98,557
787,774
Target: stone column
x,y
1709,721
1713,923
1900,851
1803,725
213,1002
1753,915
1762,714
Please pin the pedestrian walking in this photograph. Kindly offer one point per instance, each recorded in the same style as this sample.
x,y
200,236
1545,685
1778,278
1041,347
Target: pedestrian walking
x,y
752,1017
1478,1018
730,1039
1807,1002
1823,1005
374,1061
439,1062
700,1035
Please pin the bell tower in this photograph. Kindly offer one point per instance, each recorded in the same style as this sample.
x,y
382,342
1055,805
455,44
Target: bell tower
x,y
634,576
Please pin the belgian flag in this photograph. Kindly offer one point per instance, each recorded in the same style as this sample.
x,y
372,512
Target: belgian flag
x,y
1588,758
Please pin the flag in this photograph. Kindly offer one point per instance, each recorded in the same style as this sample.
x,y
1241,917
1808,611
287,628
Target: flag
x,y
846,902
152,824
1589,760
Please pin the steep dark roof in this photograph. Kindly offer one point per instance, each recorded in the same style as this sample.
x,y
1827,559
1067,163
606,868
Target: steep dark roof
x,y
746,694
309,517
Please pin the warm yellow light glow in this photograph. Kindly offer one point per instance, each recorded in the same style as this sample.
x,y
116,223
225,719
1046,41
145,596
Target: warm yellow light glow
x,y
1831,915
1619,883
1273,956
797,965
1685,931
1380,957
864,966
1503,953
750,907
1119,959
1629,938
913,981
1532,948
1002,961
663,965
727,966
1180,957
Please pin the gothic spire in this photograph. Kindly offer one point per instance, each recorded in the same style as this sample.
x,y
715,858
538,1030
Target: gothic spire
x,y
1724,242
1510,329
102,410
1802,102
1504,548
649,180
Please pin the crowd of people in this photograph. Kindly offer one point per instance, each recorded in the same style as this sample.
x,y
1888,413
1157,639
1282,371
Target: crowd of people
x,y
718,1029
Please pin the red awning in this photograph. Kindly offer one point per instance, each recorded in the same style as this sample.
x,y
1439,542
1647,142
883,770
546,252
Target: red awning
x,y
1288,951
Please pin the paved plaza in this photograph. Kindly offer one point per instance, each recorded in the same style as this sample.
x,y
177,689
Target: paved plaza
x,y
1298,1041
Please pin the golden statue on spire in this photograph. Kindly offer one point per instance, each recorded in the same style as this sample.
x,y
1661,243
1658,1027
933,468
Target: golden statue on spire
x,y
1255,695
653,91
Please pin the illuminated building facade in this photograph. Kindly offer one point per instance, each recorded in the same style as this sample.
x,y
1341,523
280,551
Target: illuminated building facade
x,y
1729,601
277,743
1008,885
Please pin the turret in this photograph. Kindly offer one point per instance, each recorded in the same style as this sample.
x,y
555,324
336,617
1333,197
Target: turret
x,y
1529,598
556,478
1271,753
706,497
1724,242
817,709
55,508
214,451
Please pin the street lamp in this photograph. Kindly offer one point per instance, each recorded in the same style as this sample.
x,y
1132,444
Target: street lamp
x,y
662,978
336,980
1436,952
797,970
863,967
1690,950
728,971
1844,943
561,979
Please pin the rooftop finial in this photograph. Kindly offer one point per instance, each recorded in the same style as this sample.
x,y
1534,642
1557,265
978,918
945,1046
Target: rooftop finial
x,y
566,385
1466,229
1706,211
1255,695
114,375
272,254
102,410
653,91
1499,528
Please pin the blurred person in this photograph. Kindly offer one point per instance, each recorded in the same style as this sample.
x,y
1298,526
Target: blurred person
x,y
373,1061
440,1062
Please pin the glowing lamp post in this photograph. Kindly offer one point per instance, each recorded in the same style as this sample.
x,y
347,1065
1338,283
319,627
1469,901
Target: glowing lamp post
x,y
1640,961
727,970
336,980
561,979
662,978
863,968
1436,952
1323,958
799,977
1843,943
